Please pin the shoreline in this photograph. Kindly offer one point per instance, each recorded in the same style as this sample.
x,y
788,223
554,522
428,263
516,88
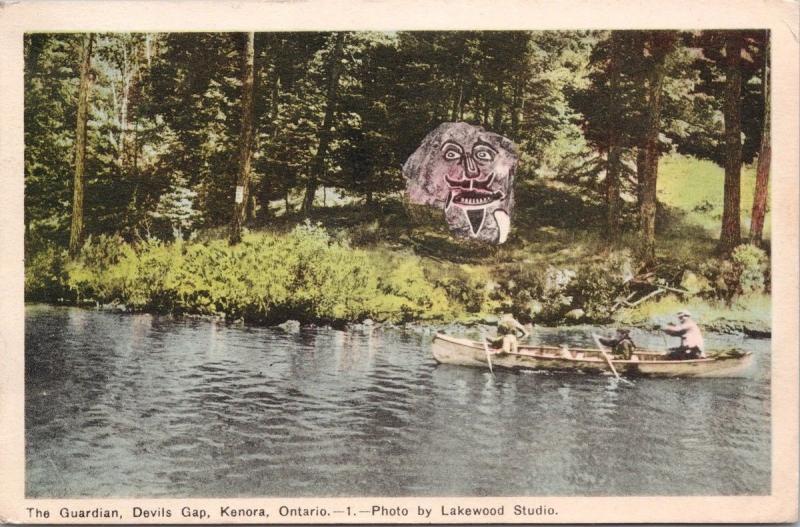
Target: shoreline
x,y
481,324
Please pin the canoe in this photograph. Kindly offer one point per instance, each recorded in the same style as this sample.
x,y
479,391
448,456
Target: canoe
x,y
645,363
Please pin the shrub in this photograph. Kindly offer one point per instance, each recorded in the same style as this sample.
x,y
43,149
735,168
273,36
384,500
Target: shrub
x,y
93,275
548,295
46,275
593,291
467,287
406,293
751,264
147,276
521,289
745,273
332,281
597,285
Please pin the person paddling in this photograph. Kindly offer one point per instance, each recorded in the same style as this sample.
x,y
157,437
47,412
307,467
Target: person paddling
x,y
692,345
507,328
621,344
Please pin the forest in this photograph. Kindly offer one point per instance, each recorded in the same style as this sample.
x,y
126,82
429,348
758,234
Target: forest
x,y
642,183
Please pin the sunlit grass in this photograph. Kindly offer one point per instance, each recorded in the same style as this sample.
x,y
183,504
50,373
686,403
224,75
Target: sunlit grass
x,y
696,187
751,311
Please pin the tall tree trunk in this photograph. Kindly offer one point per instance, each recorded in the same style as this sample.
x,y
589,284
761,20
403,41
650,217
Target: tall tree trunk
x,y
123,121
641,170
516,106
660,46
731,234
613,199
148,39
498,108
614,157
464,102
246,140
318,164
459,96
271,130
79,182
764,154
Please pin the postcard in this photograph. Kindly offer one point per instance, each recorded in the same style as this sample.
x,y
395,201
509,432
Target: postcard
x,y
354,262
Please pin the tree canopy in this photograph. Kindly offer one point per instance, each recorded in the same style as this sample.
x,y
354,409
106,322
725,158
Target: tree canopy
x,y
341,111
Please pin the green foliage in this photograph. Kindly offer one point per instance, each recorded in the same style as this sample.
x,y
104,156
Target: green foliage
x,y
147,276
46,275
702,206
407,294
746,273
99,271
711,314
331,280
555,294
752,266
467,286
163,138
594,290
304,274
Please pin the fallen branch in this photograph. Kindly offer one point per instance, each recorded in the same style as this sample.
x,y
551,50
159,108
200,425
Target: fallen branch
x,y
664,287
645,297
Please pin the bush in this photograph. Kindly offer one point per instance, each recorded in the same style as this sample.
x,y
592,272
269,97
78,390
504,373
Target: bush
x,y
554,294
593,291
597,285
745,273
466,286
147,276
331,280
751,264
304,274
46,275
95,273
407,294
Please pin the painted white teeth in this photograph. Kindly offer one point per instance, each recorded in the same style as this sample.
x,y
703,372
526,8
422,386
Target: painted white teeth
x,y
475,201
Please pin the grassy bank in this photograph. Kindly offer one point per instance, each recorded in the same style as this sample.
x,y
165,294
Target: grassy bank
x,y
348,264
692,186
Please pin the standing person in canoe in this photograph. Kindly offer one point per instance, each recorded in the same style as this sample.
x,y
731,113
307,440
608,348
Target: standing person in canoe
x,y
507,328
692,346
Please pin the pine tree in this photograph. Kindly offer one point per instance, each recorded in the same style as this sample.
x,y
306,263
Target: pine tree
x,y
76,230
242,191
761,193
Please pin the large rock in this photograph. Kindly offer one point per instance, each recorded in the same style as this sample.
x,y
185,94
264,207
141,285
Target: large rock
x,y
466,174
290,326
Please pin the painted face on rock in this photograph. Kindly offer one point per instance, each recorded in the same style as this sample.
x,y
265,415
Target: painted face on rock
x,y
467,172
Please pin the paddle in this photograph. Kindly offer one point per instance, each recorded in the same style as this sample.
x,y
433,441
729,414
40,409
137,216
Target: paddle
x,y
488,355
605,355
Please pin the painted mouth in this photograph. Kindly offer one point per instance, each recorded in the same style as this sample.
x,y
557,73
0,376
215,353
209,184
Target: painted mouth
x,y
474,203
472,198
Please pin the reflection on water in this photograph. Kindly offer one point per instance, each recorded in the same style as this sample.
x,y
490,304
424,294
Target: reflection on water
x,y
137,405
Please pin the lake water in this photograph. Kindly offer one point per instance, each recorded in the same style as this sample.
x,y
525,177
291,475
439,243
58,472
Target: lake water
x,y
145,406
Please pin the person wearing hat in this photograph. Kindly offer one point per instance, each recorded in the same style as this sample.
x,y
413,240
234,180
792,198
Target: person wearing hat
x,y
692,346
507,328
621,344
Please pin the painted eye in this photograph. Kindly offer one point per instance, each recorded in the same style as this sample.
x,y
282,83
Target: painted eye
x,y
484,155
451,155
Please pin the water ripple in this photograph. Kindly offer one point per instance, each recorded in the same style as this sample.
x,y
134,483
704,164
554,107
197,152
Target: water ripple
x,y
152,406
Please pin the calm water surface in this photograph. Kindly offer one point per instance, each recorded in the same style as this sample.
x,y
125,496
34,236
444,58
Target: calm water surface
x,y
146,406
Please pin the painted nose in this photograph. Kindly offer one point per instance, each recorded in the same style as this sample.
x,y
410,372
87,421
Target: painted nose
x,y
471,167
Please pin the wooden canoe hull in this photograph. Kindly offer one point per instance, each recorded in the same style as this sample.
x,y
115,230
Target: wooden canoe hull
x,y
464,352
